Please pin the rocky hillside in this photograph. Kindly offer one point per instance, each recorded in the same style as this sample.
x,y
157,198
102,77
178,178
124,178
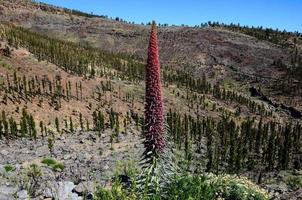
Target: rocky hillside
x,y
72,88
225,56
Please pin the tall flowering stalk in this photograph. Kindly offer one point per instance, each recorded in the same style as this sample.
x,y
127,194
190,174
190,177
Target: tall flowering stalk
x,y
157,165
154,119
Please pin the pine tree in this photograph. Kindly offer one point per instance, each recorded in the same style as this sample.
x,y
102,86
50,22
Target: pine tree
x,y
1,127
81,92
77,91
41,128
112,118
232,154
125,125
71,125
13,127
81,122
286,148
32,127
270,155
101,121
95,120
87,125
23,125
117,127
57,124
209,132
259,137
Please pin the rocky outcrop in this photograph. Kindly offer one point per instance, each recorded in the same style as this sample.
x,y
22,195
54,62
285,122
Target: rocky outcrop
x,y
80,153
256,93
293,112
85,188
8,192
55,190
296,195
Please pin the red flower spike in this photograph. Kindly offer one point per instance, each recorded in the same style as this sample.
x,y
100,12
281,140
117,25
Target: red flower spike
x,y
154,119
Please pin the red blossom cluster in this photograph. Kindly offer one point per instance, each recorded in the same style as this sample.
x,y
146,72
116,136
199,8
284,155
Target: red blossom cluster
x,y
154,119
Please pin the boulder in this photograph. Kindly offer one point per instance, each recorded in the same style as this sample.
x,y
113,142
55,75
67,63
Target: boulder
x,y
7,192
297,195
62,191
84,188
4,152
280,188
22,195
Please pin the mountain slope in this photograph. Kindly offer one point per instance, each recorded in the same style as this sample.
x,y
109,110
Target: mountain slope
x,y
70,82
220,53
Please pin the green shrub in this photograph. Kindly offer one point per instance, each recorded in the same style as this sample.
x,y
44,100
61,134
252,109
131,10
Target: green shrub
x,y
53,164
295,182
49,161
233,188
103,194
58,167
9,168
215,187
191,187
196,187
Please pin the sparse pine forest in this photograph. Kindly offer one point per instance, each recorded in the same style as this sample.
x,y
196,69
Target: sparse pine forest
x,y
226,132
194,128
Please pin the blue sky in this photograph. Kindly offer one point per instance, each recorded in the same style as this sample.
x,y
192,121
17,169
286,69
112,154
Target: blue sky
x,y
281,14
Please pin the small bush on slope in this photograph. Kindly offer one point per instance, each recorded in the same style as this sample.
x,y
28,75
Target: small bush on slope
x,y
49,161
214,187
295,182
53,164
9,168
